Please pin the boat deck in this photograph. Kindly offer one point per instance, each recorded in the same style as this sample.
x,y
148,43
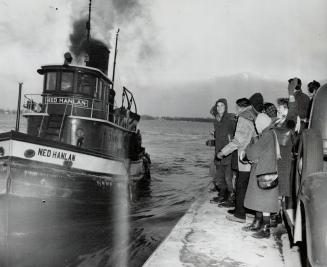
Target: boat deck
x,y
204,237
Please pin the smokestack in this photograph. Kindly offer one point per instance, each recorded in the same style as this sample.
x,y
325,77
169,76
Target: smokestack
x,y
98,56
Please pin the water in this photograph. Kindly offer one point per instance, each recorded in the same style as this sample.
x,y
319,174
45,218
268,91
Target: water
x,y
180,163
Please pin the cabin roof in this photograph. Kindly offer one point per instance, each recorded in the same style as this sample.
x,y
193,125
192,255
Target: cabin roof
x,y
95,71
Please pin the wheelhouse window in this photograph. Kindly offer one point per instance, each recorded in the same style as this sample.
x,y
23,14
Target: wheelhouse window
x,y
98,90
86,84
67,81
51,78
105,92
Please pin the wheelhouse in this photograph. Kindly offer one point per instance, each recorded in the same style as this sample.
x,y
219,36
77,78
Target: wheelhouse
x,y
74,90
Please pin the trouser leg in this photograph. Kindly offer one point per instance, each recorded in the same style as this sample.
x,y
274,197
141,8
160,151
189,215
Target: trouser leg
x,y
220,180
242,181
229,178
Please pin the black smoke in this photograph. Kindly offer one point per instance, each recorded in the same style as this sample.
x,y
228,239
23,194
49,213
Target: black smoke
x,y
78,39
106,17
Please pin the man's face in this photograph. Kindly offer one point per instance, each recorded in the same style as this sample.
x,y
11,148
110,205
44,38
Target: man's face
x,y
220,108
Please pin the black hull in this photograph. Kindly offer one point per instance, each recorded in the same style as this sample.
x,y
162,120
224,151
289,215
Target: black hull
x,y
58,214
56,218
55,233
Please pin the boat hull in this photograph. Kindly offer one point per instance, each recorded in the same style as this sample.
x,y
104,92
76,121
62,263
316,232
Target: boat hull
x,y
60,210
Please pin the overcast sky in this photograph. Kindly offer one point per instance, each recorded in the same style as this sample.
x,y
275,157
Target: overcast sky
x,y
167,42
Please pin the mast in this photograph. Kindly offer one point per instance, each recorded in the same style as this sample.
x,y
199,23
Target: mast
x,y
18,106
88,23
114,67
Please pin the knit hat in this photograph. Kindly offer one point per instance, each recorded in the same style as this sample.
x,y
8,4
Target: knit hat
x,y
270,109
256,101
262,122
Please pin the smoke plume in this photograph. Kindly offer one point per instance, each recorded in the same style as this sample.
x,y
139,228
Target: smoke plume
x,y
106,17
78,39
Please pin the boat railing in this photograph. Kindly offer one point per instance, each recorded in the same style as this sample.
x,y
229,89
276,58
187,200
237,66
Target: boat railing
x,y
34,103
79,106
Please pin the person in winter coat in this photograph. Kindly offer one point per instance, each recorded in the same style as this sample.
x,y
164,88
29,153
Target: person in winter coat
x,y
224,125
312,90
263,153
303,103
244,132
285,128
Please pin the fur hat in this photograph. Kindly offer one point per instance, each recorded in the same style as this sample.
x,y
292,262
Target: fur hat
x,y
262,122
256,101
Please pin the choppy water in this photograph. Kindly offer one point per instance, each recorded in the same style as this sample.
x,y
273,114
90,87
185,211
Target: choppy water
x,y
179,173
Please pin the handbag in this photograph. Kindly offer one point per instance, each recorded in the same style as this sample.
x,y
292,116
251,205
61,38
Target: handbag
x,y
267,181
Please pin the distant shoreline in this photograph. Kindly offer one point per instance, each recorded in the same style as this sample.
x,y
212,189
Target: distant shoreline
x,y
7,111
143,117
148,117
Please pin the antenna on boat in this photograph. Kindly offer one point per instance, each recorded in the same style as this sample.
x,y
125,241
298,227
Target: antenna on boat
x,y
88,23
114,67
18,106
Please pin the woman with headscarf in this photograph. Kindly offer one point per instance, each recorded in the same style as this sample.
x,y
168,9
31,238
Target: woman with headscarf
x,y
263,154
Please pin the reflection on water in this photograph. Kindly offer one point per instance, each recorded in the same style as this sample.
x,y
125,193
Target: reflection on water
x,y
179,172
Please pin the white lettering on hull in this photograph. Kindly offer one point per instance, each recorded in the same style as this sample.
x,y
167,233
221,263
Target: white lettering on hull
x,y
60,157
56,154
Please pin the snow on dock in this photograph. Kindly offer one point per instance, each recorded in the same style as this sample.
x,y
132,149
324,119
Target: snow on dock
x,y
204,237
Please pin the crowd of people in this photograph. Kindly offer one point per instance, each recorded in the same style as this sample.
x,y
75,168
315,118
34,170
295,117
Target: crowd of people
x,y
252,162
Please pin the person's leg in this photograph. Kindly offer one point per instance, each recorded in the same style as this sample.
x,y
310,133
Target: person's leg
x,y
220,180
241,185
264,232
220,184
229,182
229,178
256,223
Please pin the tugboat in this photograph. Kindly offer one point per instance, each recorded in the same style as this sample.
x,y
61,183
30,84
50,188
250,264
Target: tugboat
x,y
78,149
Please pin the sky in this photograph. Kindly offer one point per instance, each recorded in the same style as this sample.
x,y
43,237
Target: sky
x,y
166,46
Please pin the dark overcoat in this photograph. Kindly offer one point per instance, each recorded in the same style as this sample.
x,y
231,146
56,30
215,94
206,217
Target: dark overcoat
x,y
284,164
263,154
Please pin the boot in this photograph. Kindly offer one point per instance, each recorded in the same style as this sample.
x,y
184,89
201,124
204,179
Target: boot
x,y
264,232
232,211
255,225
217,199
230,203
222,197
275,219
